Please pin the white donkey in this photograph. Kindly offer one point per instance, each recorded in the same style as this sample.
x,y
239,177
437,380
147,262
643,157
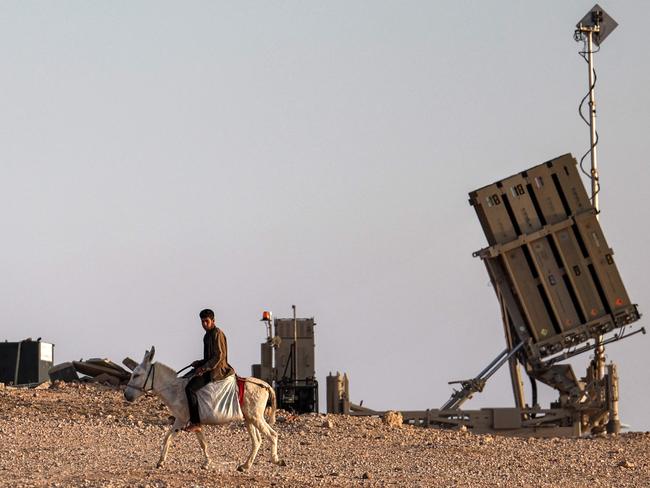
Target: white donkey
x,y
162,381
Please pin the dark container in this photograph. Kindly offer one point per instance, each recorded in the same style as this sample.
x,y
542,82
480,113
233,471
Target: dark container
x,y
25,362
298,397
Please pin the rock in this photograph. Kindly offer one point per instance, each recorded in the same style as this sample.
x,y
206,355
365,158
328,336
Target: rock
x,y
626,464
328,424
393,419
58,385
365,476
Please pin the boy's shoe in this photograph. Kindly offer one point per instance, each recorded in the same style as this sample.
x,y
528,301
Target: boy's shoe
x,y
190,427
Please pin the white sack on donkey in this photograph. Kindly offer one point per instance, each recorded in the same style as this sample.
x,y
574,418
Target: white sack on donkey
x,y
219,402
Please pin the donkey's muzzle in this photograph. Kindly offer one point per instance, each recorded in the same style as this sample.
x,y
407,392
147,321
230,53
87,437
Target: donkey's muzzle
x,y
128,395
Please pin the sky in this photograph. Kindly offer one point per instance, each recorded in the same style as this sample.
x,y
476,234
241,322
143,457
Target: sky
x,y
158,158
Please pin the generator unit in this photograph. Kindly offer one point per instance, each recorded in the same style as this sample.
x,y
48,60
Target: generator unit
x,y
287,362
25,362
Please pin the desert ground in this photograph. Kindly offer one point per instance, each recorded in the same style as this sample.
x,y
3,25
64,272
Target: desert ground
x,y
87,435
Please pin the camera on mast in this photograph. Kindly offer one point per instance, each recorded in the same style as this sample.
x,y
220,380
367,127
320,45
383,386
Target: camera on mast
x,y
598,22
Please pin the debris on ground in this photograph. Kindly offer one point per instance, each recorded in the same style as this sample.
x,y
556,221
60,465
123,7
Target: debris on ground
x,y
130,363
64,372
96,369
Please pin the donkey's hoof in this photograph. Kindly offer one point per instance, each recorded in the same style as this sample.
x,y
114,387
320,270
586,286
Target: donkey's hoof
x,y
159,464
241,468
281,462
206,465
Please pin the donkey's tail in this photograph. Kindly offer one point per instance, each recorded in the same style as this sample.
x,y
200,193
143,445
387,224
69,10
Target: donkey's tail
x,y
274,405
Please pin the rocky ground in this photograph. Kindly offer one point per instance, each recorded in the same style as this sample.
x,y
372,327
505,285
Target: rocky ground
x,y
86,435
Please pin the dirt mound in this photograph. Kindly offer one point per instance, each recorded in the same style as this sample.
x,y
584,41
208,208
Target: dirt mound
x,y
86,435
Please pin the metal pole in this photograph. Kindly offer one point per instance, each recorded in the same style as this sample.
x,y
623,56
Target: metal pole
x,y
599,353
295,346
593,28
592,121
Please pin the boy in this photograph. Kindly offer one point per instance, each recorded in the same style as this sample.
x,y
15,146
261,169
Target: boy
x,y
213,367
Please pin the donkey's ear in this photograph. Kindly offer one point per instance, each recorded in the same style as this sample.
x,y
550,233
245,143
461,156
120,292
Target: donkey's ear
x,y
151,353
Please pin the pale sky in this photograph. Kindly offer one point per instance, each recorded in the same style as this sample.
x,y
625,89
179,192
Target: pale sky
x,y
162,157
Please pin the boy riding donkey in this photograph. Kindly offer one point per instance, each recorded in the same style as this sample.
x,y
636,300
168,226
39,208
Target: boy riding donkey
x,y
225,397
213,367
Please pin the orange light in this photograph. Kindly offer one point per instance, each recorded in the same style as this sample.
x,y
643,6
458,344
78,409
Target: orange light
x,y
619,302
594,312
266,316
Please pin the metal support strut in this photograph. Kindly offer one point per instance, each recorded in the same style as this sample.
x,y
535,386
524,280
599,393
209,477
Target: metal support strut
x,y
476,384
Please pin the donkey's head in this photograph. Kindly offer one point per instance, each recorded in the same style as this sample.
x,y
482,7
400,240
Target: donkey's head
x,y
141,378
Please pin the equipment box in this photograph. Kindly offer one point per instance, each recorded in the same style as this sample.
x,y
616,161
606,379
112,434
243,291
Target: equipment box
x,y
298,397
25,362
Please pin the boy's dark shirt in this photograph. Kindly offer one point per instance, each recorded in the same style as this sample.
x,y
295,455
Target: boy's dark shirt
x,y
215,354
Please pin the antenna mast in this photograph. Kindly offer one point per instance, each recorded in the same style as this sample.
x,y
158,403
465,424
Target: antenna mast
x,y
593,29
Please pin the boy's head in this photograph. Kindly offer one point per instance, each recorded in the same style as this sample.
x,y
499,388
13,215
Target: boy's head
x,y
207,319
206,314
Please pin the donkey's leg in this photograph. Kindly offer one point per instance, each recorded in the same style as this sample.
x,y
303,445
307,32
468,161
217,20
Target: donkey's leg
x,y
255,445
204,447
262,425
259,436
171,433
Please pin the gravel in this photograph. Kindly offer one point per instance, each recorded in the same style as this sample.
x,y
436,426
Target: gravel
x,y
86,435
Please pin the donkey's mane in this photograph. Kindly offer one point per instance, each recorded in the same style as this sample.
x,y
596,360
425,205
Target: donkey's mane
x,y
166,368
